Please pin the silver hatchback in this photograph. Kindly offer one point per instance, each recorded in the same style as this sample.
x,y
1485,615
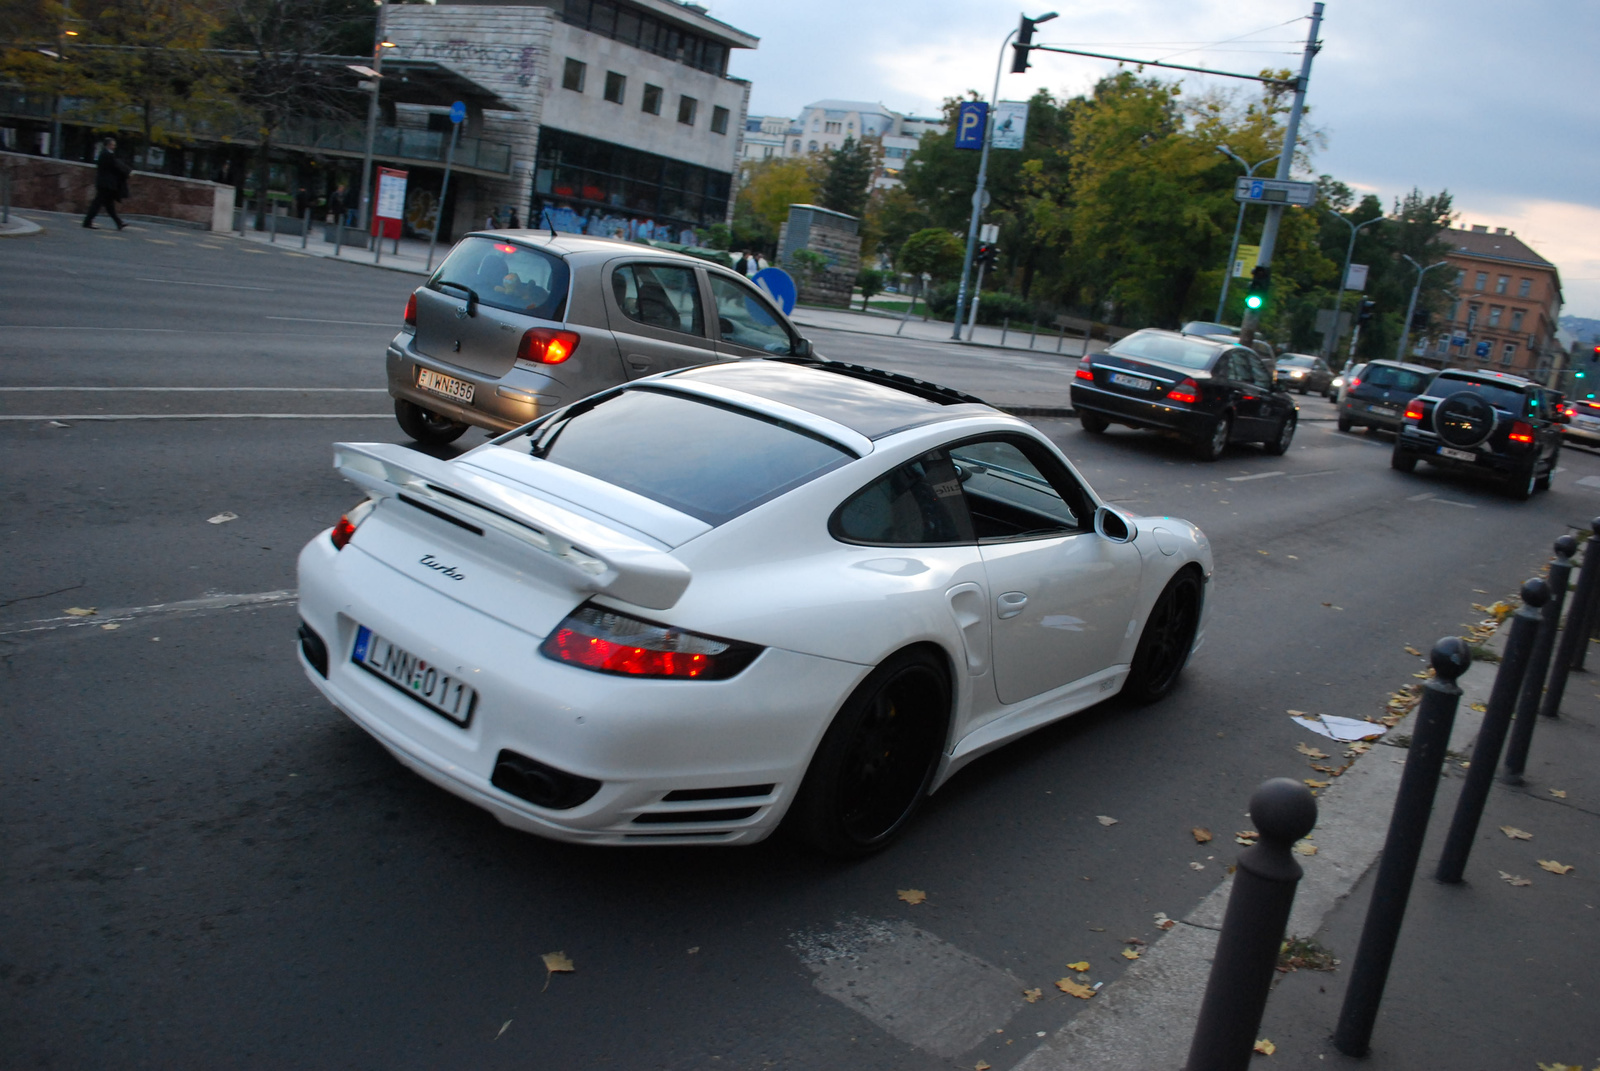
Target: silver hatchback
x,y
517,323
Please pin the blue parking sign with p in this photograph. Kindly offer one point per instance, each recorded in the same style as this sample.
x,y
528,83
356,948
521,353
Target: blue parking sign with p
x,y
970,122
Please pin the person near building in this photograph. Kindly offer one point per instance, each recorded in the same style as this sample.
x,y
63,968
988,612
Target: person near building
x,y
742,265
110,184
758,263
339,204
516,220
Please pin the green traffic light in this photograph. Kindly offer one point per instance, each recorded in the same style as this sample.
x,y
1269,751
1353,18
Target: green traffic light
x,y
1579,375
1253,301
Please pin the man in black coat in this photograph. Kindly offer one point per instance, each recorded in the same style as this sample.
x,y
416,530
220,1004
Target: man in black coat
x,y
110,184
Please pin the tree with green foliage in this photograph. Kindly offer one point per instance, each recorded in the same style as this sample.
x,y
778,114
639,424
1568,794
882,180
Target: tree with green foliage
x,y
870,282
767,188
847,178
934,252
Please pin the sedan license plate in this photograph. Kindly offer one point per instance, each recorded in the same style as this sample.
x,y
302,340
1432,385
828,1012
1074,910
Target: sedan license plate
x,y
1136,382
1386,410
433,381
422,681
1459,455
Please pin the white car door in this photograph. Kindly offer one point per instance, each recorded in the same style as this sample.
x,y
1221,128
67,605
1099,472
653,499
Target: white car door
x,y
1061,597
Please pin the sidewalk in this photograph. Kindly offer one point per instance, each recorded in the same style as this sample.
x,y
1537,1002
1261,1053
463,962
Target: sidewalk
x,y
882,323
412,257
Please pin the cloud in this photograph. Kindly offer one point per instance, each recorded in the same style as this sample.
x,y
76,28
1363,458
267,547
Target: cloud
x,y
1561,232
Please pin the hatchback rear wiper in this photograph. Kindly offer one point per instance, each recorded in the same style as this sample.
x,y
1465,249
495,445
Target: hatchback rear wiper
x,y
472,296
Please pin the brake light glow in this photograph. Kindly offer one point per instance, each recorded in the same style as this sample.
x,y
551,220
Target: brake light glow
x,y
1414,410
504,248
546,345
1187,392
592,637
1522,432
1356,382
346,528
411,310
1084,372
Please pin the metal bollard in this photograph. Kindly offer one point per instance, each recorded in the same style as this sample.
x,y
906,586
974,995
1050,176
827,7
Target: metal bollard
x,y
1539,663
338,236
1492,734
1004,327
272,214
1060,337
1032,333
377,246
305,229
1283,810
1408,825
1575,636
1583,603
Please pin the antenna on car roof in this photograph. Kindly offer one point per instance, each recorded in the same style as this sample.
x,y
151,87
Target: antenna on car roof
x,y
550,222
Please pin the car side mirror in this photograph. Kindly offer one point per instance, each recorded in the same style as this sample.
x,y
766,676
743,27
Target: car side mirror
x,y
1114,526
802,348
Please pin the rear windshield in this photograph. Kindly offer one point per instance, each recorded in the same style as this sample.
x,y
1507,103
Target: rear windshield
x,y
1183,352
1294,362
1512,401
506,276
1388,377
694,456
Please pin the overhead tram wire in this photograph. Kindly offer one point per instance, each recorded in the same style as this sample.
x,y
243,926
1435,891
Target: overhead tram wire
x,y
1241,37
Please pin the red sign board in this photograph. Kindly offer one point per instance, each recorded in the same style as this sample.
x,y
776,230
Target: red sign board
x,y
389,206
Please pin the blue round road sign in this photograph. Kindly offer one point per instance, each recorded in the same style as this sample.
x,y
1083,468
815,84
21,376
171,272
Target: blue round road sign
x,y
458,111
778,286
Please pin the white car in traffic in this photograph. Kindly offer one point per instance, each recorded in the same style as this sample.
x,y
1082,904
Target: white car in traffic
x,y
691,606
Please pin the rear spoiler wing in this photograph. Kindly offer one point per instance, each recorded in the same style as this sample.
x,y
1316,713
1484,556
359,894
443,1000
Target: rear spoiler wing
x,y
584,553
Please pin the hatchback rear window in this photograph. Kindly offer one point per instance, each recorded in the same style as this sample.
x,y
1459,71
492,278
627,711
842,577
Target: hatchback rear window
x,y
1388,377
1168,350
697,457
1294,362
507,276
1512,401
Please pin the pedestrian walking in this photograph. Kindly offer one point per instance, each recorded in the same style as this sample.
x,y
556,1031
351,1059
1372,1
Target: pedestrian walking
x,y
339,204
110,184
516,220
492,223
742,265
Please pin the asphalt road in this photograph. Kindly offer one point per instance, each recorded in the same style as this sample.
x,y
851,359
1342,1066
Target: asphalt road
x,y
205,865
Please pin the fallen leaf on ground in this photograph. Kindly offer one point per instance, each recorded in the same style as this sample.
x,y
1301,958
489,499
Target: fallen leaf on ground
x,y
81,611
1246,836
1265,1047
503,1027
1514,879
1516,834
1032,995
1314,783
1310,752
1479,707
1197,866
693,950
1201,834
1410,650
1106,819
1559,1067
1479,591
223,518
1306,848
1559,793
1130,953
1293,558
911,896
1080,966
981,1065
1132,941
111,627
554,962
1073,989
1164,923
1297,713
1553,866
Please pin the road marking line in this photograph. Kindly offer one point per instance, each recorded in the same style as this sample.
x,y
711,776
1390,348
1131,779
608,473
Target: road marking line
x,y
1448,502
1421,498
203,390
1588,481
314,320
1304,475
218,286
210,602
916,987
1255,476
85,417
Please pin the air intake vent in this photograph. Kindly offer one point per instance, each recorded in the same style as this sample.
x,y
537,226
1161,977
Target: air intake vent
x,y
315,651
726,814
689,795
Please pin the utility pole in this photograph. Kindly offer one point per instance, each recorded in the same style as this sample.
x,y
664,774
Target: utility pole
x,y
1269,232
380,42
1405,332
1238,224
1331,340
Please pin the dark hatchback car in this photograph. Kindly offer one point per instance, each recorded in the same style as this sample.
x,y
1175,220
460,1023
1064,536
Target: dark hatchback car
x,y
1499,425
1208,392
1304,373
1377,395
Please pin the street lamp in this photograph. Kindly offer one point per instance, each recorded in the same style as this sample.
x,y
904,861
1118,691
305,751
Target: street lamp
x,y
1330,341
1405,332
1233,251
382,42
983,174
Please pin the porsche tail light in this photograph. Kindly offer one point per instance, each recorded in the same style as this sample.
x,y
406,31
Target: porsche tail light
x,y
411,310
1084,371
1187,392
593,637
1414,410
546,345
346,528
1522,432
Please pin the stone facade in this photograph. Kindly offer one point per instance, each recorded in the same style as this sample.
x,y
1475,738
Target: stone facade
x,y
835,236
67,186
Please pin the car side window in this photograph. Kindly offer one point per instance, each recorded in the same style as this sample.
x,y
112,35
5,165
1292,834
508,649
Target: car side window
x,y
660,295
1236,366
745,319
1260,372
918,504
1009,494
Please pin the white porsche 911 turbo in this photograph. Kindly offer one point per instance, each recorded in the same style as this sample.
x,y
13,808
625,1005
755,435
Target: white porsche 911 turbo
x,y
691,606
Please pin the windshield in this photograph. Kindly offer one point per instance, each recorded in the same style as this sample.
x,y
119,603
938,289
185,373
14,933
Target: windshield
x,y
506,276
1388,377
1168,349
1294,362
697,457
1512,401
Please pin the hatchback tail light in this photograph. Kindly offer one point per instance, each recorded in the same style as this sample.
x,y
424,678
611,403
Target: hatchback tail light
x,y
546,345
1084,372
1187,392
592,637
1414,410
1354,383
411,310
1522,432
346,528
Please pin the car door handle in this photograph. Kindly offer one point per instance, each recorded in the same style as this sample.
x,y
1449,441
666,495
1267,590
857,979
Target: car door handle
x,y
1010,604
639,362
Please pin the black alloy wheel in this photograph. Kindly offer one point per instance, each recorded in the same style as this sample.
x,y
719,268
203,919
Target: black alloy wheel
x,y
873,767
1280,442
1211,447
1521,485
1402,461
426,426
1093,423
1168,636
1345,423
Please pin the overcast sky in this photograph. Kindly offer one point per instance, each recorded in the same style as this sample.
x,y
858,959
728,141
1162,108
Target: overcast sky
x,y
1497,102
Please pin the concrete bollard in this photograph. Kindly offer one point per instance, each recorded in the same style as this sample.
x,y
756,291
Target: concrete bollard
x,y
1575,636
1539,663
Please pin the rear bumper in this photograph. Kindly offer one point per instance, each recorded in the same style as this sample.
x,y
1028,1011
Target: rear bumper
x,y
1141,413
1425,446
1575,433
499,404
1355,411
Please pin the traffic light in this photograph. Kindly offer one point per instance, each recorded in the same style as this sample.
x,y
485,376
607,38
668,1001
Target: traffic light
x,y
1024,41
1260,282
1419,319
1365,310
987,253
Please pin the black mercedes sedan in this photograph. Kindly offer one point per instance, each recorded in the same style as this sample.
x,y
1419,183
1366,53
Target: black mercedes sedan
x,y
1207,392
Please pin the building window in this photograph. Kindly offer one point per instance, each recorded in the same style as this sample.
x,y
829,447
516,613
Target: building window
x,y
1516,319
686,108
1461,277
719,120
1501,283
797,145
652,100
1442,345
607,190
616,86
1495,312
1508,354
813,147
1455,311
1483,280
626,23
572,77
1523,287
766,153
1472,317
831,128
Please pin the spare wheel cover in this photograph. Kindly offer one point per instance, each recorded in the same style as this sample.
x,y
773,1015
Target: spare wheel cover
x,y
1464,419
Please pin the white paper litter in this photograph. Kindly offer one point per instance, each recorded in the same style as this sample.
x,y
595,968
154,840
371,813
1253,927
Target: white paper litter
x,y
223,518
1342,729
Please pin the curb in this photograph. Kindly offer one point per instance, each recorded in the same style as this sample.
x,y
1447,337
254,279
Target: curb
x,y
933,341
19,227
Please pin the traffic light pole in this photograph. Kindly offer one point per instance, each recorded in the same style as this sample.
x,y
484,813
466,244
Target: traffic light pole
x,y
977,195
1238,225
1331,343
1269,231
1411,309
